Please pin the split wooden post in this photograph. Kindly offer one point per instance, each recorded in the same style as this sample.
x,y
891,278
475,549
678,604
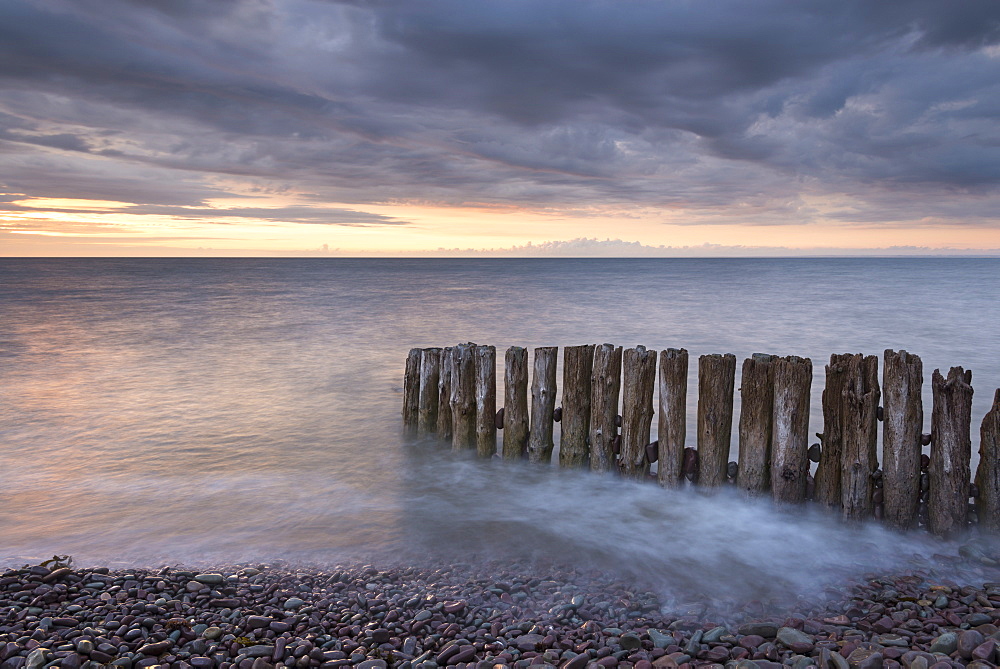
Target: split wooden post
x,y
543,404
951,451
790,428
988,472
463,397
411,392
859,459
578,366
605,386
672,425
716,380
828,494
430,372
486,401
639,371
903,421
756,414
515,410
444,420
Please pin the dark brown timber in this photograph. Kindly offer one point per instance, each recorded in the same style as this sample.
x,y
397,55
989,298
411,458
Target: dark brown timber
x,y
463,397
859,458
411,392
578,366
903,421
639,371
828,493
951,452
716,380
756,414
790,428
515,415
605,387
988,472
543,403
486,401
444,426
430,373
672,426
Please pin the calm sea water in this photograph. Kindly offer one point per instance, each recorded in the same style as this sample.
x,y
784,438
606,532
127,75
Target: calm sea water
x,y
199,411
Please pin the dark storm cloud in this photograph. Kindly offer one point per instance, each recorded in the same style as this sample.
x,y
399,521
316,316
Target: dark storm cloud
x,y
529,102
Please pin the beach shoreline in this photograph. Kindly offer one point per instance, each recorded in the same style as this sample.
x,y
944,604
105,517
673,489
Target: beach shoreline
x,y
464,615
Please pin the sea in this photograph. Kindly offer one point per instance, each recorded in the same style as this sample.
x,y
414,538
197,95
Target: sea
x,y
220,411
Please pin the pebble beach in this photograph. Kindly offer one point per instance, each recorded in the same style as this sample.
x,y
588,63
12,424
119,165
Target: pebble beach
x,y
940,614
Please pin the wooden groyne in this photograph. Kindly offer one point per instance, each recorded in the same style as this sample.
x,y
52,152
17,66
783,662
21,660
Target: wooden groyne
x,y
606,411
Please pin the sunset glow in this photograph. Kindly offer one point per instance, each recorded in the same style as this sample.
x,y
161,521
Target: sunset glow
x,y
292,127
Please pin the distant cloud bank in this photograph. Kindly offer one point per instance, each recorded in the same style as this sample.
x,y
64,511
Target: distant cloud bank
x,y
583,247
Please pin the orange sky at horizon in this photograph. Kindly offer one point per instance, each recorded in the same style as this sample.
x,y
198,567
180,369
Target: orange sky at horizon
x,y
73,227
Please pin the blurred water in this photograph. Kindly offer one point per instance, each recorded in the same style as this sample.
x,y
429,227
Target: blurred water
x,y
196,411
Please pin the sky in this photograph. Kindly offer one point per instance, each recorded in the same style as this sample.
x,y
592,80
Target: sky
x,y
499,127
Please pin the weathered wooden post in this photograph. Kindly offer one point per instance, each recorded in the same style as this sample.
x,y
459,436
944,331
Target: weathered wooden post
x,y
988,472
756,414
639,370
486,401
463,397
903,421
515,411
430,372
605,386
716,380
828,494
444,420
859,458
672,424
411,392
951,451
543,404
578,366
790,428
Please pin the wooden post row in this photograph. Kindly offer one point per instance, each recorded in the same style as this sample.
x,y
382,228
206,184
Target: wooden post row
x,y
452,392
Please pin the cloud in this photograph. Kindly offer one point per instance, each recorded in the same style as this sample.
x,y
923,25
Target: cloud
x,y
589,247
535,103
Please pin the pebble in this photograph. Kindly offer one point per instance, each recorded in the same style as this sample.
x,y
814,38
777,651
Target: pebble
x,y
766,630
945,644
659,639
791,637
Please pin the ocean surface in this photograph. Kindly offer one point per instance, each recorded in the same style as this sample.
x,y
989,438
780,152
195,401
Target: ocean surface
x,y
200,411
